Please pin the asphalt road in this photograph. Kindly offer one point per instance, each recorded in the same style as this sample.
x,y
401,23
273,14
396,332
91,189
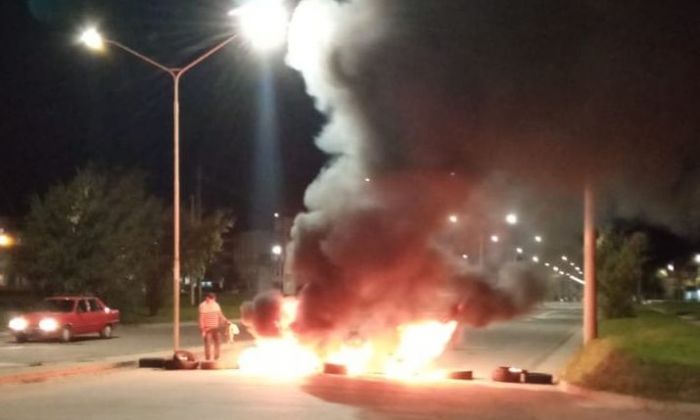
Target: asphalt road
x,y
542,340
184,395
127,340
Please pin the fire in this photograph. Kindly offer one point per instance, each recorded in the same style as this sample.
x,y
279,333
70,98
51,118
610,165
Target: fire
x,y
419,345
356,358
410,357
279,357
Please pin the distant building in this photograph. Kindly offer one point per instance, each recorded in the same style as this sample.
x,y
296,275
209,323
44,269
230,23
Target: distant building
x,y
260,258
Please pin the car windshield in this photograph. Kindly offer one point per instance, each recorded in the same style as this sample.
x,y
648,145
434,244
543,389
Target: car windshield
x,y
56,305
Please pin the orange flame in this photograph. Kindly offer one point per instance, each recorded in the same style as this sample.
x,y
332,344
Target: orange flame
x,y
418,346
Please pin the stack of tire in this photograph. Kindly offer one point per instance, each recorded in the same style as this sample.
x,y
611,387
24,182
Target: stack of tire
x,y
515,375
181,360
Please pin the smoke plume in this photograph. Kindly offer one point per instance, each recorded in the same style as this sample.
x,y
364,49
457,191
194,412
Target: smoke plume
x,y
467,106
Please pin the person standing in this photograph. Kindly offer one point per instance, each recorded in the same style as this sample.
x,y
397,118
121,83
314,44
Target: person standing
x,y
211,319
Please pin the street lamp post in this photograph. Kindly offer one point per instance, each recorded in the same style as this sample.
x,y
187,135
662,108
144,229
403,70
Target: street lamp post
x,y
264,34
90,38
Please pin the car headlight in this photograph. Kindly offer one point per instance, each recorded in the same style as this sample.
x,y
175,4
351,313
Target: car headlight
x,y
18,324
48,325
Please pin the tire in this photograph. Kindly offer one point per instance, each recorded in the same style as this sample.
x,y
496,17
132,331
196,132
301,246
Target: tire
x,y
209,365
184,355
21,338
169,364
334,369
106,331
66,335
507,374
462,375
186,364
152,362
538,378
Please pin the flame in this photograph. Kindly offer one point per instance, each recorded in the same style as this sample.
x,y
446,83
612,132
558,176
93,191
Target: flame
x,y
280,358
356,358
419,345
410,358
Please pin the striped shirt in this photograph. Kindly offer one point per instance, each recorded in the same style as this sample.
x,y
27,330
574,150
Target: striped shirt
x,y
209,315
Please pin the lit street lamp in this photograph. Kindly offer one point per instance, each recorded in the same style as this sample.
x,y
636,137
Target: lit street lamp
x,y
264,23
538,238
512,219
6,241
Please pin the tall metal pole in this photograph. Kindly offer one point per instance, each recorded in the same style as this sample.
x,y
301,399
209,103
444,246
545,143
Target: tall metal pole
x,y
176,74
590,315
176,209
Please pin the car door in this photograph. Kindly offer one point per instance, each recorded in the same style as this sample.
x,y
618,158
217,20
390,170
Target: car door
x,y
97,315
82,321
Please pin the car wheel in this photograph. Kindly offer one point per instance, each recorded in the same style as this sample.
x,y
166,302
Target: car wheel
x,y
66,334
106,331
21,338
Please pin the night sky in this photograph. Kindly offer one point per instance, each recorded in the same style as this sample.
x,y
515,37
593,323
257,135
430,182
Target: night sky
x,y
593,69
65,106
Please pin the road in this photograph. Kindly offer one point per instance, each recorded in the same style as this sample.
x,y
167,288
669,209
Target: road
x,y
127,340
541,340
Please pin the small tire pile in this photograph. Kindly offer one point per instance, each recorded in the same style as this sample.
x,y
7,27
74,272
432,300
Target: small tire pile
x,y
181,360
515,375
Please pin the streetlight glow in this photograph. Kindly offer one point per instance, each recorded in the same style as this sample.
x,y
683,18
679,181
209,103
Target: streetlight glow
x,y
696,258
538,238
263,22
453,218
6,240
564,258
276,250
92,39
512,219
519,250
494,238
536,259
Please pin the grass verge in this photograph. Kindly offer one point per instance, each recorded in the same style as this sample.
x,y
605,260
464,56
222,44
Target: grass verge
x,y
654,355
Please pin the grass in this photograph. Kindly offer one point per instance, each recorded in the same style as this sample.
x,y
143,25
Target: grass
x,y
691,310
654,355
230,306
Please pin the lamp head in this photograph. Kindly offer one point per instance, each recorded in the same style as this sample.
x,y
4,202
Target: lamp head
x,y
263,22
92,39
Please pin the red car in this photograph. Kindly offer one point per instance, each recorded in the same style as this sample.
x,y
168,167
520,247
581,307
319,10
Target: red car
x,y
64,317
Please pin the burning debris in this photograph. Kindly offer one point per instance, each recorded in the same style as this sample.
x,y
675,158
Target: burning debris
x,y
379,290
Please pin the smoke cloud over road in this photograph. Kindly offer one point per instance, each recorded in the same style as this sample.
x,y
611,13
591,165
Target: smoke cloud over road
x,y
437,107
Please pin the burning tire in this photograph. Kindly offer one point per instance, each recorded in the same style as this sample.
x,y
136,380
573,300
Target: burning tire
x,y
508,374
462,375
334,369
538,378
152,362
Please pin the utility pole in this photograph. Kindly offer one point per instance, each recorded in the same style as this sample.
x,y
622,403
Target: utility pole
x,y
590,306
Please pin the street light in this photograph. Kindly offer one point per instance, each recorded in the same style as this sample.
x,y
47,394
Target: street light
x,y
250,16
6,241
452,218
696,258
276,250
495,238
535,259
564,258
538,238
263,22
512,219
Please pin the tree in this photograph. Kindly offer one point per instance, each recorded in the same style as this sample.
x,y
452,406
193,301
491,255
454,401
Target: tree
x,y
621,260
100,233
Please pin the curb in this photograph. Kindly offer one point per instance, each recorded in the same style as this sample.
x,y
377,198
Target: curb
x,y
629,401
72,370
75,369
